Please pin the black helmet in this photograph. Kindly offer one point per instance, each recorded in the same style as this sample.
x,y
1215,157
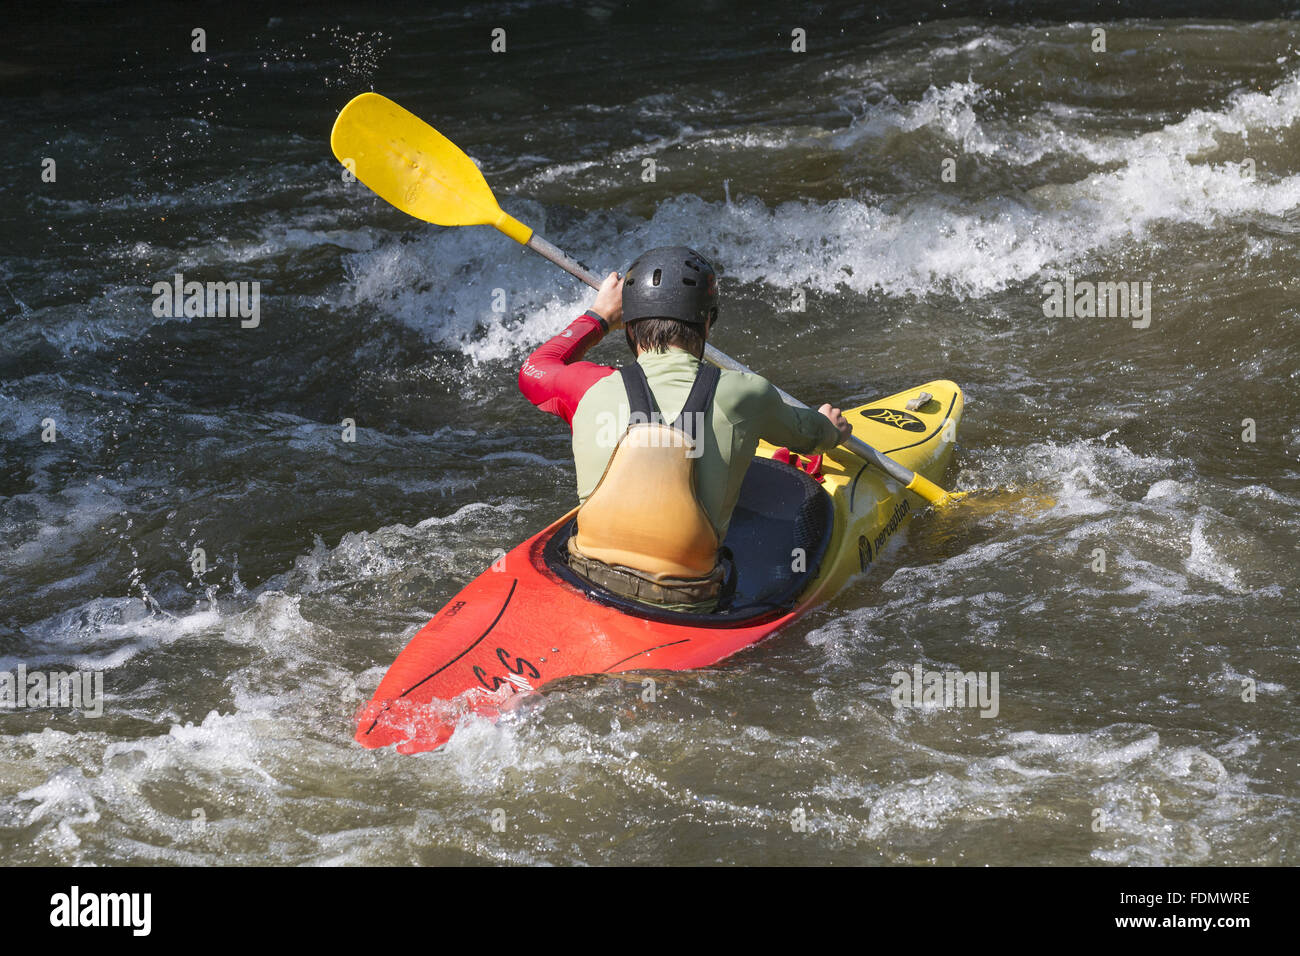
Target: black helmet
x,y
673,282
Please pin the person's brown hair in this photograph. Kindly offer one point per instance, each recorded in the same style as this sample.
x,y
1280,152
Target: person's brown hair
x,y
656,335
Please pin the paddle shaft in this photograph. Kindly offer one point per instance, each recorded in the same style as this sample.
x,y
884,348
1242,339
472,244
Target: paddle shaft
x,y
555,254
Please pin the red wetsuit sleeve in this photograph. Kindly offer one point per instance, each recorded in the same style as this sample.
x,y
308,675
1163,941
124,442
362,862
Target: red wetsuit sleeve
x,y
554,378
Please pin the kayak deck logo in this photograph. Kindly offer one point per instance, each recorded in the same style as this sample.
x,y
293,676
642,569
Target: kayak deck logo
x,y
893,417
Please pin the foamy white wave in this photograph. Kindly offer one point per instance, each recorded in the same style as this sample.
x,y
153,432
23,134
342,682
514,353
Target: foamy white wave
x,y
51,526
1246,113
949,111
1231,681
916,804
554,171
207,772
1157,586
982,43
1167,490
1138,829
1081,476
1266,493
200,765
214,262
1096,750
929,246
1122,768
1164,187
962,113
105,633
1206,562
394,553
445,285
627,155
62,803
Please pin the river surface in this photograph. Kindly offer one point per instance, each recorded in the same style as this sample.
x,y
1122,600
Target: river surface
x,y
1132,580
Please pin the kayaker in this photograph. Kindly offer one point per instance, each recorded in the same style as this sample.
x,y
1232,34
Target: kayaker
x,y
662,448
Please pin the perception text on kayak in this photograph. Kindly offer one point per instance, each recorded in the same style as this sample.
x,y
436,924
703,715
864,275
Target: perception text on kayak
x,y
70,690
180,299
74,909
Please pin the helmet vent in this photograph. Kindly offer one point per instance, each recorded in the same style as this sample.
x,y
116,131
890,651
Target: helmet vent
x,y
686,281
658,274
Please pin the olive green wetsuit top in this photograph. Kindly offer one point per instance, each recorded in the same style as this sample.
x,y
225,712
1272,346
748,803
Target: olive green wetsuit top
x,y
746,408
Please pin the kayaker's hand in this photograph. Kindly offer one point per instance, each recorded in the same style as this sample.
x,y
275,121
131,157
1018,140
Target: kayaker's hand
x,y
838,420
609,301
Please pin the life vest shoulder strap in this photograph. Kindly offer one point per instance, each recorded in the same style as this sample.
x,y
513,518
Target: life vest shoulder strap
x,y
700,400
698,403
640,399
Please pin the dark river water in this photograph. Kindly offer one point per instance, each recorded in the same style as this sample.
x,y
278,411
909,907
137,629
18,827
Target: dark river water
x,y
1132,580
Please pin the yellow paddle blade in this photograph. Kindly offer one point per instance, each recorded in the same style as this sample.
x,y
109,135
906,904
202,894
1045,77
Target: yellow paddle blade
x,y
1003,501
410,164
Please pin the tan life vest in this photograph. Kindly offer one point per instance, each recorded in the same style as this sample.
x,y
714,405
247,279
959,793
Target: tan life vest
x,y
644,515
